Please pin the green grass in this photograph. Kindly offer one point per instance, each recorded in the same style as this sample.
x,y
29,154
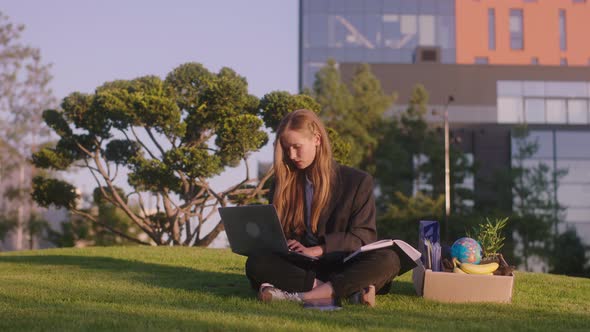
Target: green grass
x,y
177,289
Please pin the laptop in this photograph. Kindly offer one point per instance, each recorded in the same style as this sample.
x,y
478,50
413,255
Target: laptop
x,y
253,229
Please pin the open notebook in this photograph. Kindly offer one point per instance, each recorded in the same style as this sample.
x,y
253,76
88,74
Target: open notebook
x,y
409,257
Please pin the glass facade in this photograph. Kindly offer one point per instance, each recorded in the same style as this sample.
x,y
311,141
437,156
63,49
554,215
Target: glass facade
x,y
567,150
543,102
373,31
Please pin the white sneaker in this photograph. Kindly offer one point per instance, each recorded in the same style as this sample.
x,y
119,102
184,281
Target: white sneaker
x,y
268,293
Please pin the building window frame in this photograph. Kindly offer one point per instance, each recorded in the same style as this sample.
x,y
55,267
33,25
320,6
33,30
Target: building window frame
x,y
563,61
481,60
516,28
562,30
491,29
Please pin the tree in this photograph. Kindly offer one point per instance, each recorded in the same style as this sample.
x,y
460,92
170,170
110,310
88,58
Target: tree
x,y
24,93
410,174
276,105
405,139
403,152
535,208
401,217
79,233
7,224
356,113
569,255
410,157
170,136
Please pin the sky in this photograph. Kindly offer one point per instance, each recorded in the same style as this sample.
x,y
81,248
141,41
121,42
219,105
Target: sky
x,y
89,42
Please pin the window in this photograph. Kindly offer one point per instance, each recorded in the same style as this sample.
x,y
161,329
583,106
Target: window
x,y
316,30
516,29
534,88
562,31
345,32
509,88
510,110
491,29
400,31
566,89
534,110
578,170
427,6
534,60
570,153
563,62
573,144
552,102
577,111
446,7
556,112
445,31
427,33
481,60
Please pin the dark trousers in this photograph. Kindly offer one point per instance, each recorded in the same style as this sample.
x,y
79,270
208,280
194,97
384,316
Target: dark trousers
x,y
377,267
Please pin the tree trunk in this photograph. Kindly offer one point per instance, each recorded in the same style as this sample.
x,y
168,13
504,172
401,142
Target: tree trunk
x,y
31,240
204,242
21,210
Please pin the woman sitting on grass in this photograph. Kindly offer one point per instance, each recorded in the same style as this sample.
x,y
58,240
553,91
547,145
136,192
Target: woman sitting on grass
x,y
327,210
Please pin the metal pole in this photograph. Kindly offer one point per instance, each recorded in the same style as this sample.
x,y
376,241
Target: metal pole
x,y
447,167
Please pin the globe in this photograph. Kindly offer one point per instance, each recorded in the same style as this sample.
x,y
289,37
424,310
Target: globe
x,y
466,250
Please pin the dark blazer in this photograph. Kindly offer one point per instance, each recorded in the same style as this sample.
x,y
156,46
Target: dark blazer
x,y
348,221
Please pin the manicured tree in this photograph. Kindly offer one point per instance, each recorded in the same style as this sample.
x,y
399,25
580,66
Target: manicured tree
x,y
167,138
275,105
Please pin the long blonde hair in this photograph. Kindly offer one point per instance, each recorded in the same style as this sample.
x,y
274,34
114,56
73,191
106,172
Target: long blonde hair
x,y
289,195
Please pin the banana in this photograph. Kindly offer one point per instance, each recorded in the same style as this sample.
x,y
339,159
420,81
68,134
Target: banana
x,y
487,269
456,269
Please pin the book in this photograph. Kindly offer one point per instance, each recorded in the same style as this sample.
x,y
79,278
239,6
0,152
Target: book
x,y
409,257
429,244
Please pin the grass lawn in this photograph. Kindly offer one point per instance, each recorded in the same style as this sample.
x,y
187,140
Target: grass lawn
x,y
177,289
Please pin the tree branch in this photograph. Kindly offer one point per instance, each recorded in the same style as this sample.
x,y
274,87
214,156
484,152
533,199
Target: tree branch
x,y
111,229
143,145
121,204
262,182
147,129
211,236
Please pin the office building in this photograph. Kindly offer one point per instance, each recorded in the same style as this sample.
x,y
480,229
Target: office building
x,y
505,62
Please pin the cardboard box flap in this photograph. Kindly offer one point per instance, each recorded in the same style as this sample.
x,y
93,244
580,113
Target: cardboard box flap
x,y
418,279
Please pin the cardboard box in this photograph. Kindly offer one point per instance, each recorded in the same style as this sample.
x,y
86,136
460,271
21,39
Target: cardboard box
x,y
458,287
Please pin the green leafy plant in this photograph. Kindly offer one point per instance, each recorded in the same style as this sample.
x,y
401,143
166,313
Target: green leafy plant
x,y
489,235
